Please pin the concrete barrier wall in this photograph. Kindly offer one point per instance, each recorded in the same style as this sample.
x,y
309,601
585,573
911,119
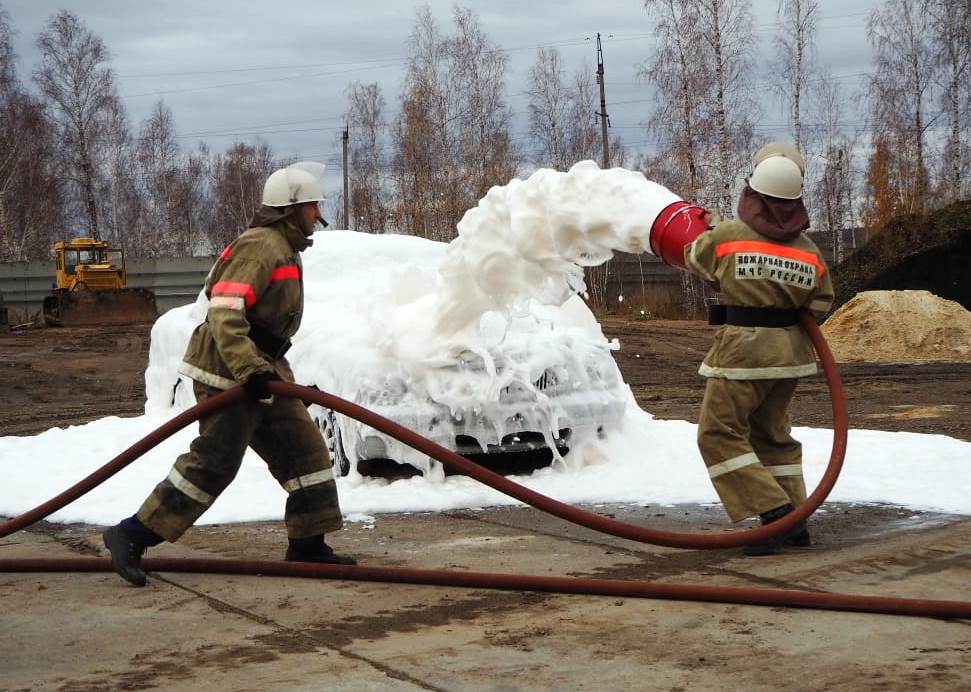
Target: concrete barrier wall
x,y
24,286
636,283
175,281
644,282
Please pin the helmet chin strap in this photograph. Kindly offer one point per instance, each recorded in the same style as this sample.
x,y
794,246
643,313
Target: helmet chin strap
x,y
302,225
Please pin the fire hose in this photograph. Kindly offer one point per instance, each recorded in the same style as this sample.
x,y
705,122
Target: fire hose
x,y
488,580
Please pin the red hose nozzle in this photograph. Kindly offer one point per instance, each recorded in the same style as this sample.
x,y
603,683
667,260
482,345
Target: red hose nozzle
x,y
677,225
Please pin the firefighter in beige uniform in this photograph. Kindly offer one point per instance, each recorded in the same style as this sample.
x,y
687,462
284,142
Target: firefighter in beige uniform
x,y
255,292
765,270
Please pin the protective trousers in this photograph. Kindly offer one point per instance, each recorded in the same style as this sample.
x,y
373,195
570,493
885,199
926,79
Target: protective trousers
x,y
282,433
744,438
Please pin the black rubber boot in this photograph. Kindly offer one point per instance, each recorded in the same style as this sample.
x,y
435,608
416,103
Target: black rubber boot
x,y
127,542
797,536
315,549
800,539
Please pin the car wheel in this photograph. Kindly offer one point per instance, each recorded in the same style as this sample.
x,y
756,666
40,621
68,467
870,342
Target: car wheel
x,y
332,438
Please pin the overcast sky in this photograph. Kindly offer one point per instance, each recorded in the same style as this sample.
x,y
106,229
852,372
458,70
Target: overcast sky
x,y
232,70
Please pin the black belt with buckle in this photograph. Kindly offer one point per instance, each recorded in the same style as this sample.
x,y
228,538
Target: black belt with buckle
x,y
743,316
268,342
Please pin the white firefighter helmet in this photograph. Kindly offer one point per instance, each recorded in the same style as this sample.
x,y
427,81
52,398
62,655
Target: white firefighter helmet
x,y
783,149
777,176
299,182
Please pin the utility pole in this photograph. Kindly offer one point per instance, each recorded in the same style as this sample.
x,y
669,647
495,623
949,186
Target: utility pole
x,y
344,139
603,103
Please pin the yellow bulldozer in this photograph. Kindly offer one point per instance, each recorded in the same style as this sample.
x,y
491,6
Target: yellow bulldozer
x,y
90,287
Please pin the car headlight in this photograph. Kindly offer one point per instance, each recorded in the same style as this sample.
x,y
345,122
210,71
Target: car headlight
x,y
471,360
387,390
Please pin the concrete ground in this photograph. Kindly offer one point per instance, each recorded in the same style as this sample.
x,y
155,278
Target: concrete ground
x,y
91,631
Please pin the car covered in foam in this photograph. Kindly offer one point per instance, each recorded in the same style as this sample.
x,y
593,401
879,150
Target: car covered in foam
x,y
534,377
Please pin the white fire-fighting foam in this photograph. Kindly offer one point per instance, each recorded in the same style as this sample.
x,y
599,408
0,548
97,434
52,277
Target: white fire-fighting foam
x,y
471,327
412,314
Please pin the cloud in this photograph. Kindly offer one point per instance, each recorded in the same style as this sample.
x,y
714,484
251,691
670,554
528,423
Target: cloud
x,y
225,66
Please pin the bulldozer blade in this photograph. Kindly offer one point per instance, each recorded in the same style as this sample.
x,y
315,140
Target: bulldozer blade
x,y
90,308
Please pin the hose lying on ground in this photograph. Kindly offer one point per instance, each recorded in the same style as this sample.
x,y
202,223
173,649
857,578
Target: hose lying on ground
x,y
930,608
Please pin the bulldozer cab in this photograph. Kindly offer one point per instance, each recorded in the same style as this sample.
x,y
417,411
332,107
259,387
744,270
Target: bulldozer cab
x,y
90,287
89,263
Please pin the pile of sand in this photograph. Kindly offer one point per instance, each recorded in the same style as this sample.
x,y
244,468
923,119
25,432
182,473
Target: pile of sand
x,y
899,326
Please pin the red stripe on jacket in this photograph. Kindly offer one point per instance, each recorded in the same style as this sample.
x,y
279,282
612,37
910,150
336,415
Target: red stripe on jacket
x,y
734,246
235,288
227,251
289,271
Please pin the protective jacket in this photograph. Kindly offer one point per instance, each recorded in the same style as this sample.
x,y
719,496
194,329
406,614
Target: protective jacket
x,y
751,269
255,292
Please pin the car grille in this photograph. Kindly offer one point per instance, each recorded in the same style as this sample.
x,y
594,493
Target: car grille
x,y
547,380
513,442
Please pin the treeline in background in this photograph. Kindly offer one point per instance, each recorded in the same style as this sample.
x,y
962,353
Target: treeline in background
x,y
73,163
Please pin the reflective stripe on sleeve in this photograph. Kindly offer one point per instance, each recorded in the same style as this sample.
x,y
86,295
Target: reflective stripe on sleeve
x,y
231,302
734,464
209,378
820,305
774,372
235,288
189,489
785,470
289,271
308,480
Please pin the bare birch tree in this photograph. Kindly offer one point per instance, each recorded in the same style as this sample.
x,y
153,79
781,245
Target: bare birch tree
x,y
900,91
681,73
158,163
31,203
79,87
703,121
31,181
951,26
452,137
678,72
420,133
416,158
193,204
122,210
11,151
173,186
794,57
832,192
237,179
8,58
548,104
583,139
369,203
726,28
485,150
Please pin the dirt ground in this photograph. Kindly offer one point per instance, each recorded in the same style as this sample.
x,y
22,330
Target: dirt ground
x,y
660,359
55,377
77,632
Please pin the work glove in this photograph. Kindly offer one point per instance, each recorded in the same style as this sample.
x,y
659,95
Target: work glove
x,y
257,386
712,218
308,404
